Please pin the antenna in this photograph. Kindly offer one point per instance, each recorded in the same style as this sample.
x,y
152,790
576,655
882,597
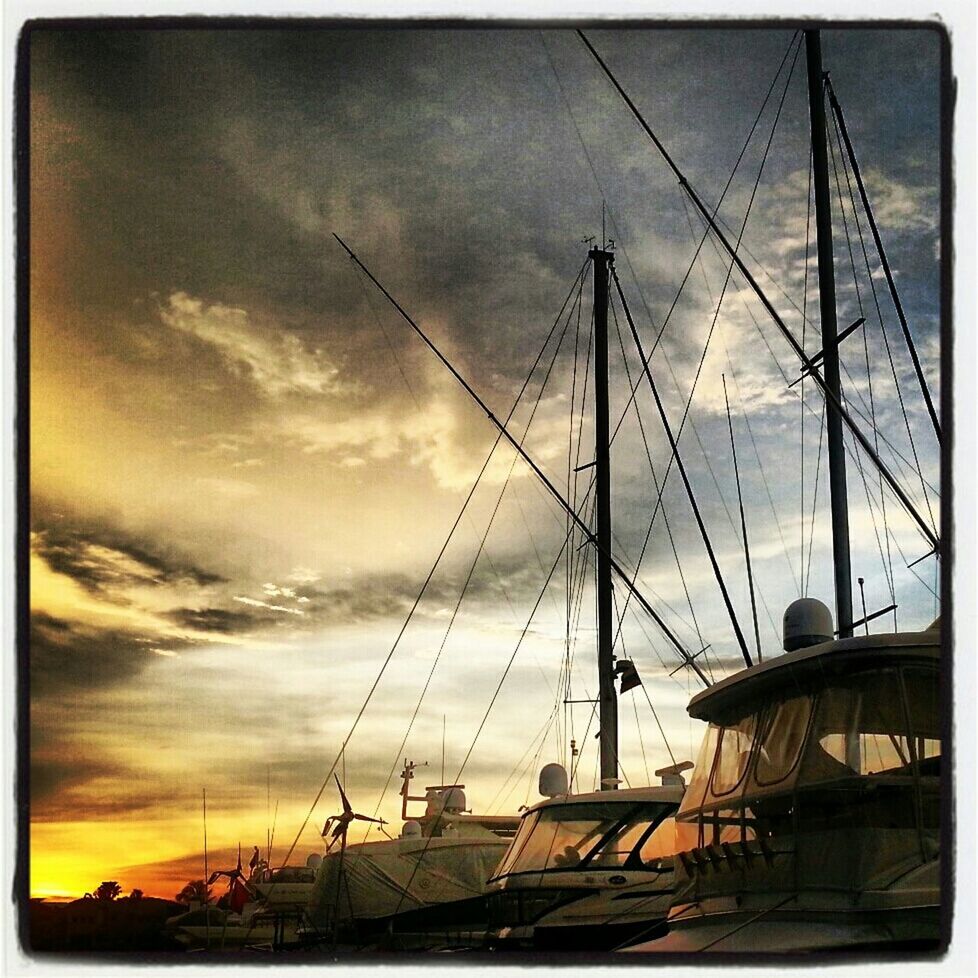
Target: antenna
x,y
207,909
862,595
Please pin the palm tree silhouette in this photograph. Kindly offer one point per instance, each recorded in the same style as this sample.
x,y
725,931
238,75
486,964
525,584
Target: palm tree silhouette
x,y
107,890
195,890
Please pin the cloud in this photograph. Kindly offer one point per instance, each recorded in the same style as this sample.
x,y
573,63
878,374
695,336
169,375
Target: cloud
x,y
214,620
276,361
231,488
70,655
263,604
899,206
105,560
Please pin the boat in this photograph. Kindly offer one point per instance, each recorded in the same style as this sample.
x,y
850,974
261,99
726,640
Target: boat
x,y
812,821
424,890
588,871
264,909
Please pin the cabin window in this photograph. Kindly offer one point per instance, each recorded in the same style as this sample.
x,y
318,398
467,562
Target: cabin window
x,y
518,844
733,755
688,831
784,735
860,729
699,783
660,844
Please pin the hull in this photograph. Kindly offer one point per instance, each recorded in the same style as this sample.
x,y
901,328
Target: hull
x,y
801,932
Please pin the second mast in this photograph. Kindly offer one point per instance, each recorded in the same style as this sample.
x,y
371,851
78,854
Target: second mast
x,y
607,696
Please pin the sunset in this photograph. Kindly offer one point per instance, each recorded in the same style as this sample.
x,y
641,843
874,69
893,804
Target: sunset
x,y
267,521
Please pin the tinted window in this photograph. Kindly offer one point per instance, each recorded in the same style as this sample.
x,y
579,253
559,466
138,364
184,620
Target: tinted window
x,y
859,729
783,737
564,835
734,752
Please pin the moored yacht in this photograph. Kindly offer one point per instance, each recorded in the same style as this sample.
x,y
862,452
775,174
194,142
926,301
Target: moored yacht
x,y
588,871
812,820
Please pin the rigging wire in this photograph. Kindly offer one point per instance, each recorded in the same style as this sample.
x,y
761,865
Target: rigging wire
x,y
743,522
551,488
485,717
869,377
844,133
429,577
807,364
896,381
479,551
731,613
895,453
659,491
804,327
767,488
818,472
620,238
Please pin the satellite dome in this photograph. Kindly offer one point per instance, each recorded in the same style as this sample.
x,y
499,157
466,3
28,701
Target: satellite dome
x,y
553,780
411,830
314,860
453,800
806,622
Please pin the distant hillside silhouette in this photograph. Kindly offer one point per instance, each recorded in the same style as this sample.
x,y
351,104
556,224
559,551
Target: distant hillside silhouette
x,y
133,923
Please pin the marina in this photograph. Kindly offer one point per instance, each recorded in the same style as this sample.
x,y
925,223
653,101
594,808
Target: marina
x,y
594,601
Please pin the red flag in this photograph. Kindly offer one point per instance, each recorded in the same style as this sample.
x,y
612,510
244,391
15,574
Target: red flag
x,y
239,896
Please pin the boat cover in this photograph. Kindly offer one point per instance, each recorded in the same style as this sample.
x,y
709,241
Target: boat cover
x,y
378,879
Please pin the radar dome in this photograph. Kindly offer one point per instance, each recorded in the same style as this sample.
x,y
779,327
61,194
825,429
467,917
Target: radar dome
x,y
806,622
453,800
314,860
553,780
411,830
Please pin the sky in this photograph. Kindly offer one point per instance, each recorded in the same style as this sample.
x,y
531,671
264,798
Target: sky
x,y
244,464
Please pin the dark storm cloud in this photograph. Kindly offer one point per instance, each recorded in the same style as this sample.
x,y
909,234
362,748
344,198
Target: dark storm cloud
x,y
243,162
67,656
103,559
217,620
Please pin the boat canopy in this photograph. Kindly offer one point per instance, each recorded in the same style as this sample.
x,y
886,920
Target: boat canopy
x,y
856,717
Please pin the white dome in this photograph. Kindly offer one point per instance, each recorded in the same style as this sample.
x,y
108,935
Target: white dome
x,y
806,622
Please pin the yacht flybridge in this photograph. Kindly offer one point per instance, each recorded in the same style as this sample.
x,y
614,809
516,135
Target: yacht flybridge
x,y
813,818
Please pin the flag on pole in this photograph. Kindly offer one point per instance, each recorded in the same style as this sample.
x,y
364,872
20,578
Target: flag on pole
x,y
629,675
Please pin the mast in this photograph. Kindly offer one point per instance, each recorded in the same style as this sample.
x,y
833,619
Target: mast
x,y
830,349
607,698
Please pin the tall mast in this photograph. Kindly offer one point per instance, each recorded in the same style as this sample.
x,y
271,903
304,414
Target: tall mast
x,y
607,698
827,316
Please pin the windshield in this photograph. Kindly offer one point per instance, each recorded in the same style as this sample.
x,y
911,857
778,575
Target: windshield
x,y
599,834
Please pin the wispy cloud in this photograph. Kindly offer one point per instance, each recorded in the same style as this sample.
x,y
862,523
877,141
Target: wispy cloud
x,y
254,603
276,361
